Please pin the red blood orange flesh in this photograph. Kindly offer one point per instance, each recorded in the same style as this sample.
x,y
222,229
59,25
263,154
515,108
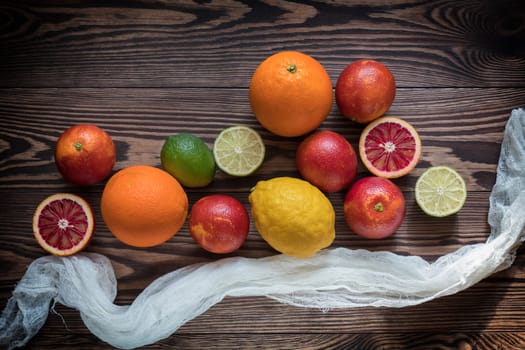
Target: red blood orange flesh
x,y
389,147
63,224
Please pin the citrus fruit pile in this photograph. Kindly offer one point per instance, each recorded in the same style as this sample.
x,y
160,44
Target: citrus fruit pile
x,y
290,95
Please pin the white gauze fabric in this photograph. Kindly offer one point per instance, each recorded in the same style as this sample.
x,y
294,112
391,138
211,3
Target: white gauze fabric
x,y
334,278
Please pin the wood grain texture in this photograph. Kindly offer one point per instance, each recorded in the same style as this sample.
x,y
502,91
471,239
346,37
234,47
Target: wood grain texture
x,y
150,43
363,341
143,70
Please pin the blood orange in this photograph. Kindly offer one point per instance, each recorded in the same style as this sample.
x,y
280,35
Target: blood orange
x,y
85,154
389,147
219,223
63,224
365,90
374,207
327,160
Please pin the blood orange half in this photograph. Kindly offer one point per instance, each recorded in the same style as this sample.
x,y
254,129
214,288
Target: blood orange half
x,y
389,147
63,224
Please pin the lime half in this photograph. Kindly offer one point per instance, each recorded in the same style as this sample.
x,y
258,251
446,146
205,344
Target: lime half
x,y
440,191
238,150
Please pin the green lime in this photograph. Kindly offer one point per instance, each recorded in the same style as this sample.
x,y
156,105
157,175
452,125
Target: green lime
x,y
189,159
239,150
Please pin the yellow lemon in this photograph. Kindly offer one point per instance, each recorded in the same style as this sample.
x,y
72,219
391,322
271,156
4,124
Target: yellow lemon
x,y
292,216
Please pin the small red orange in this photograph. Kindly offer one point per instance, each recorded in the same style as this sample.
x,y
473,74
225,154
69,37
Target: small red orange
x,y
219,223
374,207
365,90
85,154
327,160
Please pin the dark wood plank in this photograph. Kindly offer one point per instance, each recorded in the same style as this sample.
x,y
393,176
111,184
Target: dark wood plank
x,y
145,69
151,43
364,341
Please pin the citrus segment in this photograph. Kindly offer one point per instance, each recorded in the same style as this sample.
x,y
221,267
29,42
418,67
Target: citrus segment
x,y
63,224
389,147
290,93
440,191
238,150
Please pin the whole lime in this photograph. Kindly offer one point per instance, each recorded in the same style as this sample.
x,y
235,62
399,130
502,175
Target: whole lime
x,y
189,159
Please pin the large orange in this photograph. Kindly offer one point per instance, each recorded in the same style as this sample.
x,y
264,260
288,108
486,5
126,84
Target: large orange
x,y
143,206
290,93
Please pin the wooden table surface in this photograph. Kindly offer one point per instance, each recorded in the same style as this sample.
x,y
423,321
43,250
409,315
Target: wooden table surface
x,y
143,70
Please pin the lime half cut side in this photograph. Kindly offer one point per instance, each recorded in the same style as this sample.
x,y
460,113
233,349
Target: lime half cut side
x,y
238,150
440,191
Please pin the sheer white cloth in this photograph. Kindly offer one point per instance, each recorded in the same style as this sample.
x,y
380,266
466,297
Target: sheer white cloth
x,y
334,278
